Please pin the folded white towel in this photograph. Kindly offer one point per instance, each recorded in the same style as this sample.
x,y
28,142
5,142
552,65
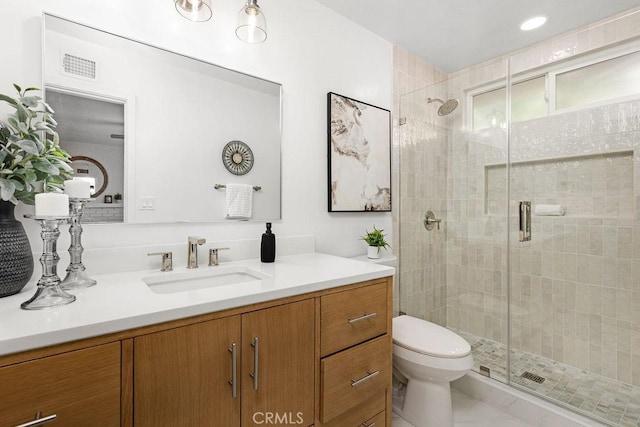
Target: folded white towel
x,y
239,202
550,210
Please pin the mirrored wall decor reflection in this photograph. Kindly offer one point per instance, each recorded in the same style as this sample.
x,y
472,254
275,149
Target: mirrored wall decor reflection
x,y
157,123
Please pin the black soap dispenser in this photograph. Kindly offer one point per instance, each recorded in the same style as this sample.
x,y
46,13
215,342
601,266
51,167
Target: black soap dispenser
x,y
268,245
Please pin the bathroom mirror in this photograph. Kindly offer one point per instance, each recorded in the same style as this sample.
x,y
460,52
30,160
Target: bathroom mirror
x,y
159,121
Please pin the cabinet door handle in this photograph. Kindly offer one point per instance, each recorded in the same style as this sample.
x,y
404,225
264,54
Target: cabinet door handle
x,y
363,317
367,377
254,375
368,425
234,370
39,421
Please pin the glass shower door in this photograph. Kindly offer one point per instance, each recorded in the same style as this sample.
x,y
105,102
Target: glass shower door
x,y
455,275
575,285
423,151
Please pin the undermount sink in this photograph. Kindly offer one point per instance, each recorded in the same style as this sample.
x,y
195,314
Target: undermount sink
x,y
203,279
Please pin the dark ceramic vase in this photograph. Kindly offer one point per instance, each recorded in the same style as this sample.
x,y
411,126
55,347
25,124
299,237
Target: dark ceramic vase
x,y
16,259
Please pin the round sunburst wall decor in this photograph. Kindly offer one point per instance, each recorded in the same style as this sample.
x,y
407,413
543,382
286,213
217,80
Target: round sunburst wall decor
x,y
237,157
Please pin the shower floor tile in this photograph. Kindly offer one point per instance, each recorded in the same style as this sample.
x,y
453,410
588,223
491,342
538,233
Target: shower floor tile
x,y
605,399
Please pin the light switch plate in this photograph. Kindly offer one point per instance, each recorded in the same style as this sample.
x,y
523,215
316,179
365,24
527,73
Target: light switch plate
x,y
147,203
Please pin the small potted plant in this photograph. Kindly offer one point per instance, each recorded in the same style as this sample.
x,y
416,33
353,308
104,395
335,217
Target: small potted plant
x,y
117,197
375,240
31,161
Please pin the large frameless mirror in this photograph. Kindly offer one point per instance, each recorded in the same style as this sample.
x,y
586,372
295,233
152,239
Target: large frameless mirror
x,y
158,122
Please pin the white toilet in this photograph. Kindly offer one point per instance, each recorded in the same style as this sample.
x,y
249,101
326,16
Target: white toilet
x,y
428,357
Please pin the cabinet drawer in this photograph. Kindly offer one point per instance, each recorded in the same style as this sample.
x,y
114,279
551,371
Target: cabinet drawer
x,y
360,416
353,376
351,317
80,387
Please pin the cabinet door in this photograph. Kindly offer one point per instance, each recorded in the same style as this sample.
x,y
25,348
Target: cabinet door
x,y
282,392
181,376
81,388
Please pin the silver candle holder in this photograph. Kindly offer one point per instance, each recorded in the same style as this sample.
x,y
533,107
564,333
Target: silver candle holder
x,y
49,292
76,277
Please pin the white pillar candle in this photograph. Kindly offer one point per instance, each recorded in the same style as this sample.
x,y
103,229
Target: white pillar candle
x,y
52,204
77,188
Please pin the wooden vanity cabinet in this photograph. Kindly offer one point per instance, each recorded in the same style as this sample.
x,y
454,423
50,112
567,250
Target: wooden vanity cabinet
x,y
322,358
185,376
79,388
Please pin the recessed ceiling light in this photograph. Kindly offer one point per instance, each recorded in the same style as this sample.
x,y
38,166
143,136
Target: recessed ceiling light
x,y
533,23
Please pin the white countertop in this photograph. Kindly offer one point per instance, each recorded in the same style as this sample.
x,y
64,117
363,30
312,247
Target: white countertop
x,y
122,301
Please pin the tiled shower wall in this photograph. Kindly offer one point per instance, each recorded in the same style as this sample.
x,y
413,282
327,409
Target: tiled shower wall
x,y
575,288
422,183
577,283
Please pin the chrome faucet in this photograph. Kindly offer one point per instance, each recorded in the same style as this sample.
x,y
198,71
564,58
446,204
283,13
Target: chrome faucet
x,y
192,250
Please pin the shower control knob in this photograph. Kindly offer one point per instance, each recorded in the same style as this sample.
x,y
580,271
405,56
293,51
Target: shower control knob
x,y
430,221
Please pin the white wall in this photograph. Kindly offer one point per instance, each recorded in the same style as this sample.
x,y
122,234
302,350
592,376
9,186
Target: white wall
x,y
310,50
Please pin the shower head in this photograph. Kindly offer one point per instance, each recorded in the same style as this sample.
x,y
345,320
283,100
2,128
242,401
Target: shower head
x,y
447,107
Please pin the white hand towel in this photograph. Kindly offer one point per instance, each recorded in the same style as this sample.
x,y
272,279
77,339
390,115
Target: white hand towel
x,y
239,202
550,210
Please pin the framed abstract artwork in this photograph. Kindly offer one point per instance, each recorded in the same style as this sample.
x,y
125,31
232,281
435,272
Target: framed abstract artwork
x,y
359,139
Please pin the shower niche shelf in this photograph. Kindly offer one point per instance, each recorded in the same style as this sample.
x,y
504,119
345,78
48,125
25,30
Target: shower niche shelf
x,y
588,185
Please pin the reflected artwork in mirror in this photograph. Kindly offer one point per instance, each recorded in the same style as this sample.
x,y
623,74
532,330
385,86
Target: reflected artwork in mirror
x,y
157,122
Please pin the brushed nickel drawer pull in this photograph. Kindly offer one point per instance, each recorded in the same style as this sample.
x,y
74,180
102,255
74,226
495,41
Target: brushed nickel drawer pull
x,y
234,370
368,425
367,377
39,421
363,317
254,375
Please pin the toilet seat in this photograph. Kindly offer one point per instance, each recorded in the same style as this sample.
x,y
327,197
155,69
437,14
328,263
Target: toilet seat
x,y
428,338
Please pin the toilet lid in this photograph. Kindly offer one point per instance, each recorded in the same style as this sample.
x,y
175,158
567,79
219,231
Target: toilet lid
x,y
428,338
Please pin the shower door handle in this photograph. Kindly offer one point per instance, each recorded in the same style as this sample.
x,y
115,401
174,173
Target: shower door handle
x,y
525,221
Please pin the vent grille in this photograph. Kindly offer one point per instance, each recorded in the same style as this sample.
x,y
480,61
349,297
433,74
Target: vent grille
x,y
79,66
533,377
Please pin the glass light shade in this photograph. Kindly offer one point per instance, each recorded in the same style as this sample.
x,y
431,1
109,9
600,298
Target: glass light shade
x,y
252,27
194,10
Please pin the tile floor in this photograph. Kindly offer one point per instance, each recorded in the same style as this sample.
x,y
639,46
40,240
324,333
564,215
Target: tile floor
x,y
608,400
468,412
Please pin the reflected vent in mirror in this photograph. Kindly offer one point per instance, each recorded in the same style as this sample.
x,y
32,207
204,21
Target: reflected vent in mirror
x,y
77,66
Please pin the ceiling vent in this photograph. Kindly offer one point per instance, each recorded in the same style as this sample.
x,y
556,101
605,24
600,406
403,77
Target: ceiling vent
x,y
78,66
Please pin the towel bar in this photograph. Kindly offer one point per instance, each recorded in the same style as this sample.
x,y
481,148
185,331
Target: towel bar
x,y
219,186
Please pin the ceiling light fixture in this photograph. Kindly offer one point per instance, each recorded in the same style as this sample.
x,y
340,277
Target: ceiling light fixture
x,y
252,27
194,10
533,23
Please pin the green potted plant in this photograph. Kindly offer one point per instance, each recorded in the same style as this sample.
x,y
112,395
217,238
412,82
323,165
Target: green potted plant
x,y
31,161
375,239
